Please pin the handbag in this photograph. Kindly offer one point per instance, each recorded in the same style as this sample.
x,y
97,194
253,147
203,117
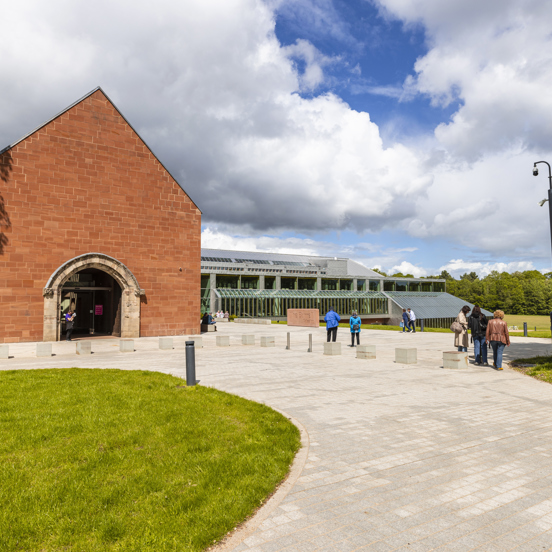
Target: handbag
x,y
456,327
356,327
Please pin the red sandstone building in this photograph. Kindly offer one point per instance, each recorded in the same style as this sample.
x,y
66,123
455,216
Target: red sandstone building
x,y
90,219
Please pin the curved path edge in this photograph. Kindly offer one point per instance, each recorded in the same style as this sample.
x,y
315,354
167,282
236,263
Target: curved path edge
x,y
240,533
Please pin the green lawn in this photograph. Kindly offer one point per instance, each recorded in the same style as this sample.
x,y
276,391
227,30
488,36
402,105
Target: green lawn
x,y
542,369
109,460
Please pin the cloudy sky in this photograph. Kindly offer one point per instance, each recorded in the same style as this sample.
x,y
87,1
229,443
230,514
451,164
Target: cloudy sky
x,y
401,133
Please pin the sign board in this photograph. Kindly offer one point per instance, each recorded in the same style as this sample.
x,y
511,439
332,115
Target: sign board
x,y
98,309
303,317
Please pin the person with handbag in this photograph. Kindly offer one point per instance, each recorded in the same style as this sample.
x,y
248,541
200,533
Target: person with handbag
x,y
405,322
477,323
498,336
355,323
461,332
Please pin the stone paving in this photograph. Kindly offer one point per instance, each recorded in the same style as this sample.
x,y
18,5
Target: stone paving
x,y
400,457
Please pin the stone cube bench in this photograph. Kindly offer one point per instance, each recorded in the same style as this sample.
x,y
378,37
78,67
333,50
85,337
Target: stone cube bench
x,y
126,345
406,356
43,349
455,359
165,343
197,339
223,341
332,348
268,341
248,340
4,351
366,351
84,348
208,328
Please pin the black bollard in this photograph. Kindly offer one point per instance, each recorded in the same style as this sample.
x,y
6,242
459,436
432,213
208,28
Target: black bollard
x,y
190,363
525,329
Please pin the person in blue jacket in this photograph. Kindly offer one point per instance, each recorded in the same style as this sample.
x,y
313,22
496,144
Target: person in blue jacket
x,y
406,321
332,320
355,323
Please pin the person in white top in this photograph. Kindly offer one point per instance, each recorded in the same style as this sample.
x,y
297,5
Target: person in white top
x,y
412,323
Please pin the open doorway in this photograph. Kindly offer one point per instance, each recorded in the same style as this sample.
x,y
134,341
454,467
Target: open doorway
x,y
95,296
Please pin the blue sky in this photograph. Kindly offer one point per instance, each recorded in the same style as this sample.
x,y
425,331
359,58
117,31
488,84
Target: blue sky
x,y
401,133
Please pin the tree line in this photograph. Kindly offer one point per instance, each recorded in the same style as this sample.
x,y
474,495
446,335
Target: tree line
x,y
528,292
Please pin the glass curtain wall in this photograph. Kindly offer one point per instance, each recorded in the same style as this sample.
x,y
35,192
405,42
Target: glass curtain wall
x,y
205,293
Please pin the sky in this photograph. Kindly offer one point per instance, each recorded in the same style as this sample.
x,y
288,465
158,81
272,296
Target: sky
x,y
399,133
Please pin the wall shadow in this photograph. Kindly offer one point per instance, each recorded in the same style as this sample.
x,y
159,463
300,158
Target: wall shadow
x,y
6,167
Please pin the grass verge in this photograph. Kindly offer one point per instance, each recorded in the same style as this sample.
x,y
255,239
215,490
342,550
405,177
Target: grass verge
x,y
131,461
539,367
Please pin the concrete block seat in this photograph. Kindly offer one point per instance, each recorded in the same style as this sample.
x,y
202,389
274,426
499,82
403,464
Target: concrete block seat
x,y
84,348
406,355
455,359
197,339
126,345
268,341
4,351
223,341
43,349
208,328
332,348
366,351
248,339
165,343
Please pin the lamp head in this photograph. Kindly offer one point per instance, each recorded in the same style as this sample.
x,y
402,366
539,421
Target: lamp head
x,y
541,203
535,171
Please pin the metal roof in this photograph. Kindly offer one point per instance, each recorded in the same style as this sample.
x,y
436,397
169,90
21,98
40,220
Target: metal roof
x,y
431,305
228,293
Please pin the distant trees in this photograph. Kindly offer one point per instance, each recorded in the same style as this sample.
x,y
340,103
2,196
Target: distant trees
x,y
528,292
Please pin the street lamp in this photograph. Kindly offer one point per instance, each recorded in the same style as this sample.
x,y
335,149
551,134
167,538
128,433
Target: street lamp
x,y
541,203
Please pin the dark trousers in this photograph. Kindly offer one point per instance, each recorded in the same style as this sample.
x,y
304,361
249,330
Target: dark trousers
x,y
412,325
69,332
353,338
332,333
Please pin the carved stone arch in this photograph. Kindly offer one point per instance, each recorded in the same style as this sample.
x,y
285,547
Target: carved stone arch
x,y
130,299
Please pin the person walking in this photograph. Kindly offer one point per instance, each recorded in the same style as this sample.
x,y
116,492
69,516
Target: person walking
x,y
355,323
477,323
412,322
406,321
332,320
461,338
497,335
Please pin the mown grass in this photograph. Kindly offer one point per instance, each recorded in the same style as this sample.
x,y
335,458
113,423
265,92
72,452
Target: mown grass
x,y
109,460
542,369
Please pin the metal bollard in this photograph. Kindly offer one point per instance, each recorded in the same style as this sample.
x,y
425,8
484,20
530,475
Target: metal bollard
x,y
309,350
288,346
422,325
525,329
190,363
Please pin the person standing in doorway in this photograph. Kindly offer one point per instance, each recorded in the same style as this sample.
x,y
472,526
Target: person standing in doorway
x,y
332,320
69,319
497,335
355,323
412,322
406,321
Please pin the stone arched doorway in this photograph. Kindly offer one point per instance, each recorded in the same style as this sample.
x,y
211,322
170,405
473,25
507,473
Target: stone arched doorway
x,y
130,292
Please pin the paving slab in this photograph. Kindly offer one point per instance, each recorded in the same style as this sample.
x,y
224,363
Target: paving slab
x,y
399,457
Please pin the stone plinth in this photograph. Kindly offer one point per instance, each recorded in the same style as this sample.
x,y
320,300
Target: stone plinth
x,y
126,345
366,351
165,343
248,340
332,348
406,356
197,339
455,359
223,320
4,351
223,341
43,349
208,328
303,317
84,348
268,341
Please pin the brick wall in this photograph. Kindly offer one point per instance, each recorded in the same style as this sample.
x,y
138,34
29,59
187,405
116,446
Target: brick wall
x,y
85,183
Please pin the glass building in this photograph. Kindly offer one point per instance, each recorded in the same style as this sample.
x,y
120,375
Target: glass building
x,y
266,285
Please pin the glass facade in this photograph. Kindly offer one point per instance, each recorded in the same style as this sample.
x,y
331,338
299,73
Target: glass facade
x,y
346,285
249,282
307,284
270,282
329,285
375,285
230,282
388,285
288,283
205,293
401,286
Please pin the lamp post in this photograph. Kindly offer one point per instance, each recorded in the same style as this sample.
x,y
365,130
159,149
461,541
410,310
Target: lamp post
x,y
535,173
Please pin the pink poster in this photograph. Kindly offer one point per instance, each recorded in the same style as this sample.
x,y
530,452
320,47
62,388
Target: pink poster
x,y
99,309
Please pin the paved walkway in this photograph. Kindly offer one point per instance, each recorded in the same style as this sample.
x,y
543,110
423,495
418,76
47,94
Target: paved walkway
x,y
401,457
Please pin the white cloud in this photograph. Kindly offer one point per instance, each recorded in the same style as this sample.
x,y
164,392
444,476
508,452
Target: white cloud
x,y
457,267
408,268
